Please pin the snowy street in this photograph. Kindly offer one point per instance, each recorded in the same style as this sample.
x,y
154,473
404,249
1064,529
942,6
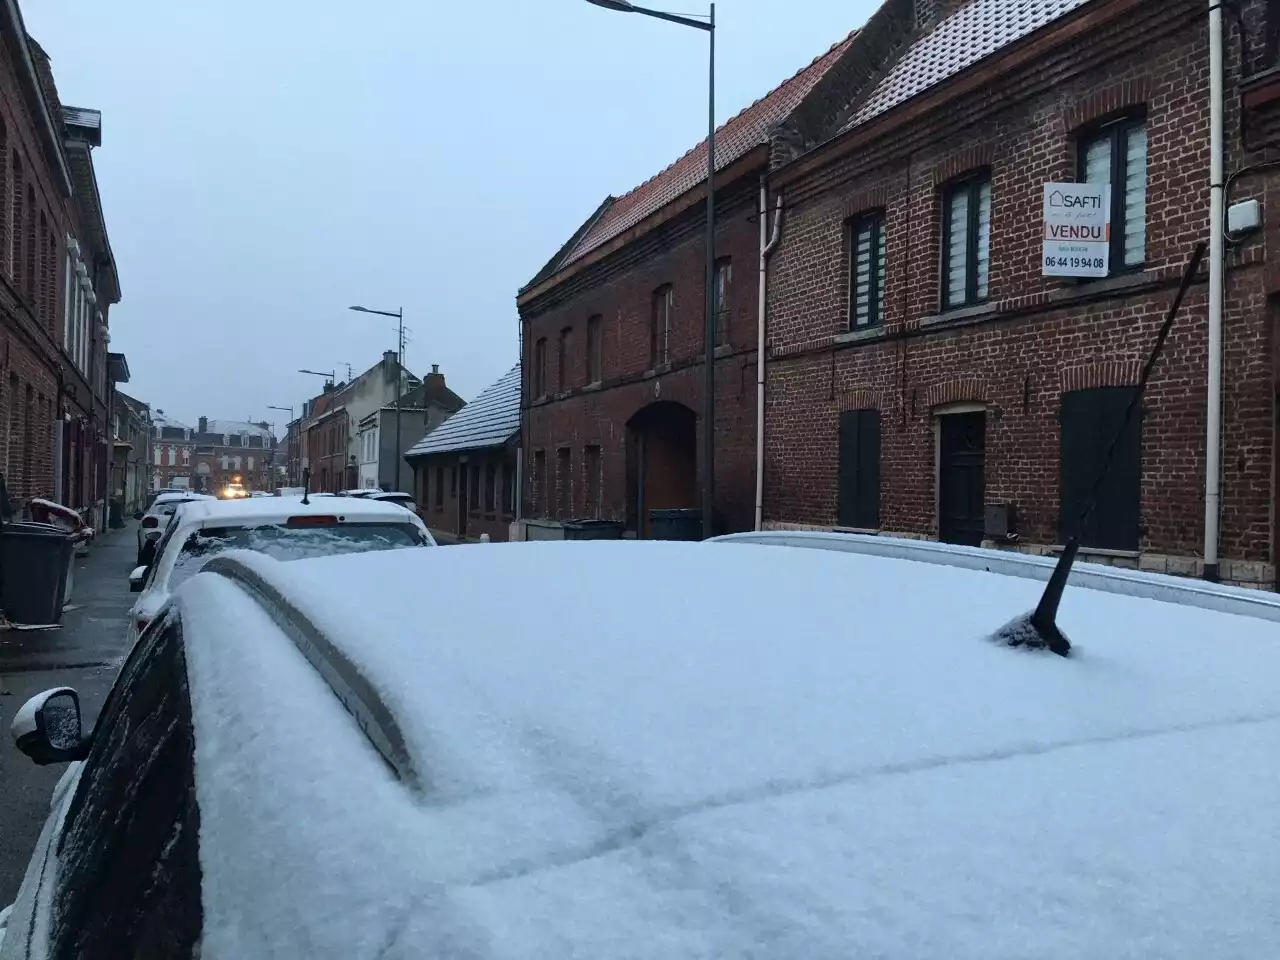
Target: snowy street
x,y
84,653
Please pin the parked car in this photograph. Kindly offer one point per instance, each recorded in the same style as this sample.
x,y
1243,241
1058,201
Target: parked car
x,y
358,493
284,528
157,518
400,499
787,753
158,493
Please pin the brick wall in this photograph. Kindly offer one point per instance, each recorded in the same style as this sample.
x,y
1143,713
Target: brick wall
x,y
438,490
620,291
1035,337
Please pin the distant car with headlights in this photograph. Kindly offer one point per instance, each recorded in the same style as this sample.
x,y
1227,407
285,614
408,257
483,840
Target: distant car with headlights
x,y
235,490
157,516
281,527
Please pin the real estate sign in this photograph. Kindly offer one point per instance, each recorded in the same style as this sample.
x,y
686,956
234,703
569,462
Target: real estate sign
x,y
1077,229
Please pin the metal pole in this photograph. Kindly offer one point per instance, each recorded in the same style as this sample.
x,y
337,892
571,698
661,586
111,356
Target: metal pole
x,y
709,349
399,368
1213,402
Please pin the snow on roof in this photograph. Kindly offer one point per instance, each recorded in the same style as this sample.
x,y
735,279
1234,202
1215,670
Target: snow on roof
x,y
973,32
487,421
856,771
268,508
160,420
230,427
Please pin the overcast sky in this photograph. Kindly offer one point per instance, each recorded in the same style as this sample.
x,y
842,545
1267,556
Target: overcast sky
x,y
265,165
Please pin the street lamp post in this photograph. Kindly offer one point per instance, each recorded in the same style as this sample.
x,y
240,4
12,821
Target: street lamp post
x,y
399,315
709,347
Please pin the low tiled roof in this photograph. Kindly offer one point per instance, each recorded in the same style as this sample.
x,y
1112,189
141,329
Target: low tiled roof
x,y
489,420
971,33
735,138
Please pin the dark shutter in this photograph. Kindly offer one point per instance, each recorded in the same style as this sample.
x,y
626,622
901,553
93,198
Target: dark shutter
x,y
1091,420
859,470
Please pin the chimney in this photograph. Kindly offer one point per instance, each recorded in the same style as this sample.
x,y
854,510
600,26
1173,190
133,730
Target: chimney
x,y
204,424
264,425
435,368
433,383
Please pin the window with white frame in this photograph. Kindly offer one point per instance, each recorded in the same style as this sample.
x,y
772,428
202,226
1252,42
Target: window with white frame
x,y
173,456
1115,152
186,456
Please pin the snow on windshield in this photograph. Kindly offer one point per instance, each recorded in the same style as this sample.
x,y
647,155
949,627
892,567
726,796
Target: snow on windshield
x,y
290,543
714,750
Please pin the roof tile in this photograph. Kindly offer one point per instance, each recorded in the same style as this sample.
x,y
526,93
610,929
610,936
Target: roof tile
x,y
487,421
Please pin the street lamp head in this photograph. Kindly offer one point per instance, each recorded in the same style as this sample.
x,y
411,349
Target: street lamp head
x,y
360,309
622,6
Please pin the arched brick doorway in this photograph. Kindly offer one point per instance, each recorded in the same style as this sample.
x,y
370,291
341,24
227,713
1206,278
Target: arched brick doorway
x,y
662,461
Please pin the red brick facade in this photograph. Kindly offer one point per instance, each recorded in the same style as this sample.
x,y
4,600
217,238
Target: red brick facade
x,y
590,420
466,495
1034,338
54,408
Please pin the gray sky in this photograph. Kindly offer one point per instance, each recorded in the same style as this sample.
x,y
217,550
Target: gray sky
x,y
264,165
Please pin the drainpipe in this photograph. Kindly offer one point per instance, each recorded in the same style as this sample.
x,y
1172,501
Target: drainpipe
x,y
1213,411
766,248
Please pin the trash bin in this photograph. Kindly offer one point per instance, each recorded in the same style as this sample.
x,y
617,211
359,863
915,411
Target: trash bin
x,y
593,529
682,524
34,561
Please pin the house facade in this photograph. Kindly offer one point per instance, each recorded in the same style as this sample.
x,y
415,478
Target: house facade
x,y
465,470
57,282
232,451
130,455
420,410
612,339
925,378
172,449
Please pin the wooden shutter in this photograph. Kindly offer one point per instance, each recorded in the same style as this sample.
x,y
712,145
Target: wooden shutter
x,y
1091,419
859,470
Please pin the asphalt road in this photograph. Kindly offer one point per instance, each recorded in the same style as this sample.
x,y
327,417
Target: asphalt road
x,y
85,653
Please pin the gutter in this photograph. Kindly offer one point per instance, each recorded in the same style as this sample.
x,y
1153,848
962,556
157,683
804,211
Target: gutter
x,y
766,248
1217,225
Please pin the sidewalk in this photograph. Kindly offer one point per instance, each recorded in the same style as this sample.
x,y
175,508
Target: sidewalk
x,y
85,653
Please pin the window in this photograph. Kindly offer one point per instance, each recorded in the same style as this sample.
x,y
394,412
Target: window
x,y
509,488
186,456
859,470
564,483
966,242
158,450
660,328
250,463
537,488
593,350
1116,153
173,455
453,482
129,865
866,270
724,277
1091,421
490,488
540,368
226,463
562,373
591,478
475,488
439,487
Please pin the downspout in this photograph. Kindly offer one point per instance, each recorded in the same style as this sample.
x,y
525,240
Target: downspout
x,y
1213,407
766,248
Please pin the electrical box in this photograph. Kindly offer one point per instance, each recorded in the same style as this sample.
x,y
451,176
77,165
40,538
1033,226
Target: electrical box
x,y
1000,521
1244,216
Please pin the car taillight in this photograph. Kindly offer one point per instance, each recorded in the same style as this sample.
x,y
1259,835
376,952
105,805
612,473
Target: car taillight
x,y
323,520
142,624
151,521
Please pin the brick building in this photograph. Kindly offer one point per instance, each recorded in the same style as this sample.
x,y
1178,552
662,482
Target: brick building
x,y
232,451
57,282
612,339
465,470
420,410
921,367
172,448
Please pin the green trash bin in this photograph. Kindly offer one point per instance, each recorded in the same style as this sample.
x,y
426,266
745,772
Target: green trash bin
x,y
34,559
678,524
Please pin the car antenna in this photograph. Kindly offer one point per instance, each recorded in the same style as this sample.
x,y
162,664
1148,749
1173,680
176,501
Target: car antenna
x,y
306,485
1040,628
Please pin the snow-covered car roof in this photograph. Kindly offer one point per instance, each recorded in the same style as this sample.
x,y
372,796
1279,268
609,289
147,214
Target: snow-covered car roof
x,y
279,508
714,750
171,497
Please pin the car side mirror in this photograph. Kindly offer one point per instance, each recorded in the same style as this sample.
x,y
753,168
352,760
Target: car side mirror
x,y
47,728
137,514
136,576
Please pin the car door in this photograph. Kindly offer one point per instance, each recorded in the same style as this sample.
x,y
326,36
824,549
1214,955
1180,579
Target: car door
x,y
123,879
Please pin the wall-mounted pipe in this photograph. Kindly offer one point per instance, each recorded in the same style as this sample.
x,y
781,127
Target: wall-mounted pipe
x,y
1213,405
767,244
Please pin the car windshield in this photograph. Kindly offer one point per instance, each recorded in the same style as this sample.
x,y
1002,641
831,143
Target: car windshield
x,y
291,543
